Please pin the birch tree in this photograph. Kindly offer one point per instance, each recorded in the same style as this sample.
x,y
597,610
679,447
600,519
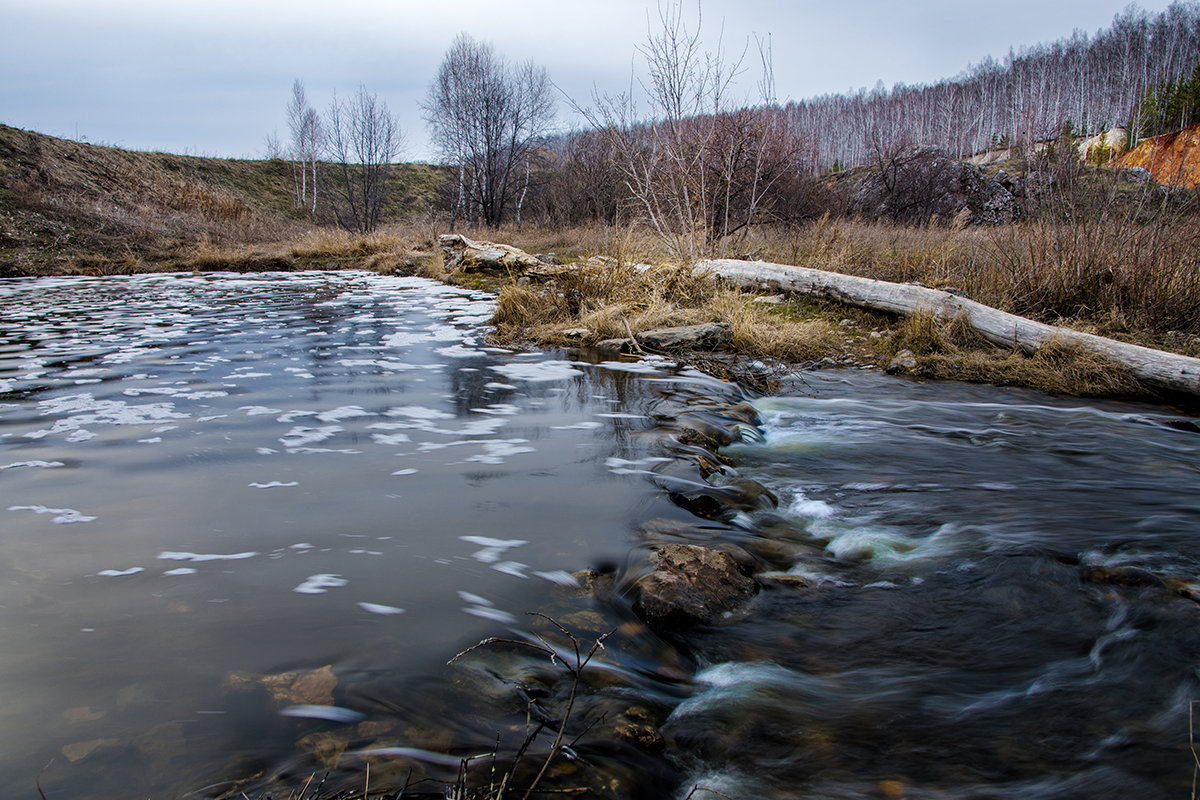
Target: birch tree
x,y
304,125
488,118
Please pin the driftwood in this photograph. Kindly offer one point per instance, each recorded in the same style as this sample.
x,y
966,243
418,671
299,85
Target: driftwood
x,y
1154,367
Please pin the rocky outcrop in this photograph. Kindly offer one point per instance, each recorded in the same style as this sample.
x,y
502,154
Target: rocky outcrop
x,y
920,185
1104,147
691,585
1172,159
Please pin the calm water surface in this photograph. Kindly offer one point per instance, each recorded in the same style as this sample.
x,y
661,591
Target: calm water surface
x,y
327,484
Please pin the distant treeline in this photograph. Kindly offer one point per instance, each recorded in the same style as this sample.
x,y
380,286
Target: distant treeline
x,y
1092,82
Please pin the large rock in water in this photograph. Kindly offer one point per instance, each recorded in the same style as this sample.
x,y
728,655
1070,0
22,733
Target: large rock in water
x,y
691,585
916,186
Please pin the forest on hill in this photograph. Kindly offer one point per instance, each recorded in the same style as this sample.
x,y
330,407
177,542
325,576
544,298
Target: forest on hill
x,y
1091,82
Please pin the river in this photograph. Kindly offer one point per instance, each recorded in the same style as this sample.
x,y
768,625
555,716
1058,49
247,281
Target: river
x,y
247,520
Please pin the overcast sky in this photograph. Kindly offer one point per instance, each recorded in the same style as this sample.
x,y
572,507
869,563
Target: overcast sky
x,y
213,77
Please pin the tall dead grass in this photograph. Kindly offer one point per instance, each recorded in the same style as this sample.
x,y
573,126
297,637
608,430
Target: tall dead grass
x,y
605,299
1111,275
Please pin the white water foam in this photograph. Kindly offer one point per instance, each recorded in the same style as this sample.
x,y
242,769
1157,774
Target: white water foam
x,y
35,464
538,371
376,608
493,549
62,516
319,584
120,573
172,555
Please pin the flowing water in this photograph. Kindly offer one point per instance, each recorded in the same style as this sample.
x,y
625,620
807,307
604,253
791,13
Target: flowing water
x,y
247,520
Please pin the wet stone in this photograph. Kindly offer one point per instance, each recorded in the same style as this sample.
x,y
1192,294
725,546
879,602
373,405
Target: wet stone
x,y
1120,576
691,585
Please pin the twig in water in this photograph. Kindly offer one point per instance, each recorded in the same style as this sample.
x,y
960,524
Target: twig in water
x,y
1192,745
699,788
38,780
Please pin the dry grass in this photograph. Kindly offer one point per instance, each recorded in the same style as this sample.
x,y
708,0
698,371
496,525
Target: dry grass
x,y
1025,268
953,350
609,300
1112,275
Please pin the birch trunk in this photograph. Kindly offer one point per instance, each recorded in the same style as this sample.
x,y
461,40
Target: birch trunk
x,y
1154,367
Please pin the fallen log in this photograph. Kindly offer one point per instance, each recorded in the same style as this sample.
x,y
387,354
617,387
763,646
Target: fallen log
x,y
1156,368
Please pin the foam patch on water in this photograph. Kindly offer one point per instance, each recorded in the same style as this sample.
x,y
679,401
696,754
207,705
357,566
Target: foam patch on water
x,y
409,471
273,484
623,466
329,713
417,412
501,409
301,436
645,366
390,439
181,571
514,568
253,411
493,549
457,351
494,614
319,584
33,464
384,363
586,425
495,452
376,608
120,573
86,410
558,576
174,555
62,516
343,412
538,371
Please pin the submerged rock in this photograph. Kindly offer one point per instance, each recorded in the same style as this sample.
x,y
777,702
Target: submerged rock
x,y
691,585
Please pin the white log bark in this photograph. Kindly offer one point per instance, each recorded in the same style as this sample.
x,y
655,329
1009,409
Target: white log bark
x,y
1155,367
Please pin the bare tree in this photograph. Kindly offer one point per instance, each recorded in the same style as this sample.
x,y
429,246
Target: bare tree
x,y
273,148
703,169
363,139
304,123
488,118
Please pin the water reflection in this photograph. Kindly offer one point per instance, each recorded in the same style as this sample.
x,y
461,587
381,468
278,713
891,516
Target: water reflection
x,y
207,477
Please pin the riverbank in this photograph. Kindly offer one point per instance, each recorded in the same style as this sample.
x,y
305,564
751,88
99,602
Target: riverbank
x,y
601,299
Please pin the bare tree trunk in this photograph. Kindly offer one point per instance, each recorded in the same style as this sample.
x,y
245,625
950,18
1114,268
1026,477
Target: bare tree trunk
x,y
1155,367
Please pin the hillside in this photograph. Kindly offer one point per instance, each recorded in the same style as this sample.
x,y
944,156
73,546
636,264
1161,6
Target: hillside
x,y
71,207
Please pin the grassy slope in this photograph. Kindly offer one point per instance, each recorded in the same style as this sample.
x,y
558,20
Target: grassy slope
x,y
72,207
